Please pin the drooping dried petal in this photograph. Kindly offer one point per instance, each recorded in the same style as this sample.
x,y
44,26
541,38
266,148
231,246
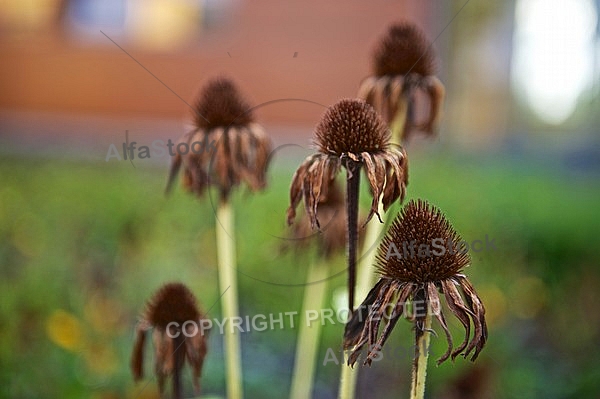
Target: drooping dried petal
x,y
435,92
137,357
332,237
404,49
459,309
433,300
317,171
476,306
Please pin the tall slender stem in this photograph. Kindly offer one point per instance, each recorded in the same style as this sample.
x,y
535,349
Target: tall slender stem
x,y
422,336
308,335
397,125
229,300
352,192
365,282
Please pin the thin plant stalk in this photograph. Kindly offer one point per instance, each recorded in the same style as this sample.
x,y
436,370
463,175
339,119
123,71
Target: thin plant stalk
x,y
369,250
308,336
352,192
365,282
419,373
229,300
399,122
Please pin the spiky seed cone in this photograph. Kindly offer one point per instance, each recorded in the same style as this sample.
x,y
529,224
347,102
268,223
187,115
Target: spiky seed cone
x,y
351,126
173,302
402,50
221,104
420,224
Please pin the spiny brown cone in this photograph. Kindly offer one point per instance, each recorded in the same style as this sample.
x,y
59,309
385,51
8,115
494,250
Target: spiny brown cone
x,y
402,50
221,104
425,228
173,302
351,126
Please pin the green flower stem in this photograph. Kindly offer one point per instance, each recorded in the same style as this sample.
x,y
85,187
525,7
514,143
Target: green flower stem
x,y
308,336
419,373
399,121
229,300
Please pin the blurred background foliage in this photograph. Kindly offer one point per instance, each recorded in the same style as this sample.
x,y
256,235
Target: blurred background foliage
x,y
85,240
84,245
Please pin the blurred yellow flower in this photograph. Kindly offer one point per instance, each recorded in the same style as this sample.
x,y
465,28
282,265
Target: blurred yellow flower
x,y
64,330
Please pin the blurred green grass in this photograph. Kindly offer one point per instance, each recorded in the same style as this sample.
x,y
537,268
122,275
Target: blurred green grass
x,y
83,245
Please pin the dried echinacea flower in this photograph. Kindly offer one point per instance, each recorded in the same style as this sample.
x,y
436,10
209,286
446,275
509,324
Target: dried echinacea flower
x,y
352,135
404,63
418,259
332,210
227,147
174,316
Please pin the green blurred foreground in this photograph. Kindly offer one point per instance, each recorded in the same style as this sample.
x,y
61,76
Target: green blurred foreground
x,y
84,245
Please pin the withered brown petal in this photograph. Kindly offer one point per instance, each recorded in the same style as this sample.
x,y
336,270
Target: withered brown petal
x,y
480,335
137,358
458,308
354,326
436,308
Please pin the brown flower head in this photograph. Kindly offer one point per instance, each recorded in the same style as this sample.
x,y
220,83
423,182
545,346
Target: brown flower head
x,y
419,258
351,127
167,313
226,147
350,130
404,64
220,104
402,50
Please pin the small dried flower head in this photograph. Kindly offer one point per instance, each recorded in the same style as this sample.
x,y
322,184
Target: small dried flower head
x,y
174,316
404,65
351,127
173,302
424,230
404,49
416,270
226,148
221,104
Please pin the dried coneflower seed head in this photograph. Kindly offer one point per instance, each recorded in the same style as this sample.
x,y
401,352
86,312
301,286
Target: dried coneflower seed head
x,y
221,104
402,50
351,126
421,246
173,302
